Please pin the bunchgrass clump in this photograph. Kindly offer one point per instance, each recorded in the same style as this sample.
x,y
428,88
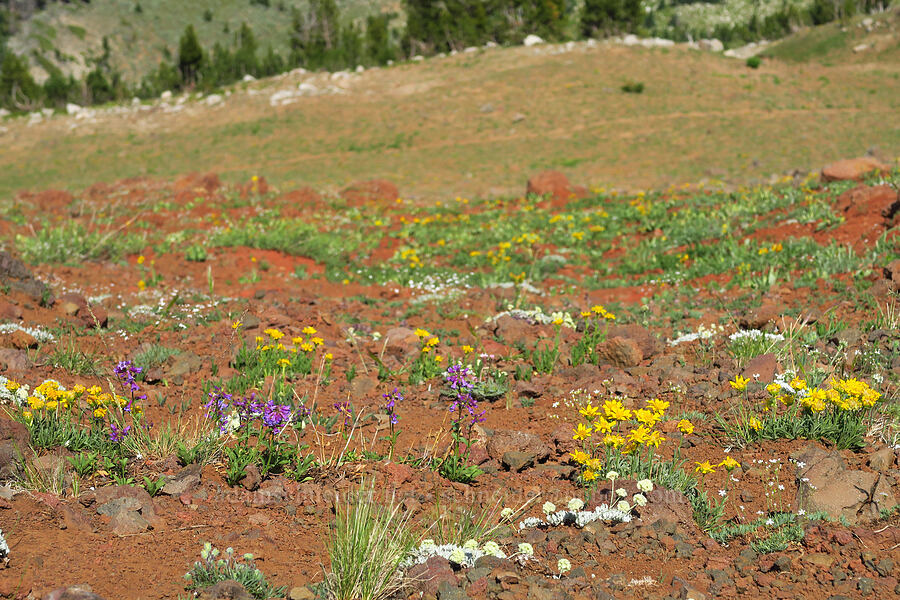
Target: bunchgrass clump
x,y
215,566
366,548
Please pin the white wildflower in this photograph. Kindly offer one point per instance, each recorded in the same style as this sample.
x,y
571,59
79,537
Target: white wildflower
x,y
645,485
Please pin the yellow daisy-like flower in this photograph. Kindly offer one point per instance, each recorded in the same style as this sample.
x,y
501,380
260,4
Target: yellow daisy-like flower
x,y
438,358
704,467
283,362
754,424
297,340
35,403
317,341
613,440
274,334
329,356
12,385
432,341
579,456
654,439
589,475
602,425
590,412
468,349
309,330
639,436
647,417
94,390
140,260
582,432
307,347
421,333
616,411
100,412
685,427
657,405
236,324
739,383
729,463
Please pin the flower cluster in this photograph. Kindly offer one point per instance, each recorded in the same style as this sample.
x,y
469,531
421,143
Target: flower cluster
x,y
574,515
458,380
842,395
232,414
390,401
598,311
12,392
462,556
612,426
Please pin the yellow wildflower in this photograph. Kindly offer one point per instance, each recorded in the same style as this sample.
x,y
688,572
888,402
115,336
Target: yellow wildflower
x,y
729,463
581,432
685,427
309,330
236,324
579,457
657,405
739,383
306,347
704,467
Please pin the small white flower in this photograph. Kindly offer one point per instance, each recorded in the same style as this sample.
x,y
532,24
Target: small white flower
x,y
428,544
770,522
722,492
526,549
612,475
801,512
623,506
507,513
470,545
639,500
645,485
549,508
457,556
575,504
621,493
780,487
563,565
492,549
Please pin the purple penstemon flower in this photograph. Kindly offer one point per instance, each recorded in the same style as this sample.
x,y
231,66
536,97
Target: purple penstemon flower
x,y
117,434
389,405
217,408
275,415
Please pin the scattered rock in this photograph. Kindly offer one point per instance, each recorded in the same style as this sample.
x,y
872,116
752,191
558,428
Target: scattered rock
x,y
881,200
518,461
252,478
75,592
553,184
852,168
762,368
428,576
14,443
514,331
532,40
400,342
505,441
301,593
882,460
184,481
225,590
621,352
370,192
825,483
15,275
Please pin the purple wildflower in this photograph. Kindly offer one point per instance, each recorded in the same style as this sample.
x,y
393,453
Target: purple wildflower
x,y
117,434
126,372
217,408
276,416
391,398
345,410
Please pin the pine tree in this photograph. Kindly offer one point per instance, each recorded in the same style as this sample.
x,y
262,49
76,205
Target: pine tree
x,y
18,90
190,55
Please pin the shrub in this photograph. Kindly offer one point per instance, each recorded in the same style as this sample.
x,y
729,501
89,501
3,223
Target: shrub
x,y
215,567
633,87
753,62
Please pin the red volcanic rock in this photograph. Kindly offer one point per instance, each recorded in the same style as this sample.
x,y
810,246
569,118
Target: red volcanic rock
x,y
372,191
852,168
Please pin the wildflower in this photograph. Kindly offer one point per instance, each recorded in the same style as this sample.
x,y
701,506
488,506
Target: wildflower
x,y
613,440
275,416
391,398
582,432
428,544
590,412
421,333
704,467
468,349
548,508
117,434
526,549
639,436
645,485
274,334
639,500
307,347
470,545
507,513
579,456
654,439
575,504
140,260
492,549
283,362
612,475
647,417
739,383
729,463
616,411
236,324
621,493
457,556
623,506
657,405
589,475
754,424
317,341
563,566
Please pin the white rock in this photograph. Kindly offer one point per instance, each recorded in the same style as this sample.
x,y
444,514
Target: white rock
x,y
418,58
282,97
4,113
213,99
248,78
470,50
135,101
47,112
360,69
532,40
712,45
72,109
307,89
490,44
860,48
166,95
631,40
